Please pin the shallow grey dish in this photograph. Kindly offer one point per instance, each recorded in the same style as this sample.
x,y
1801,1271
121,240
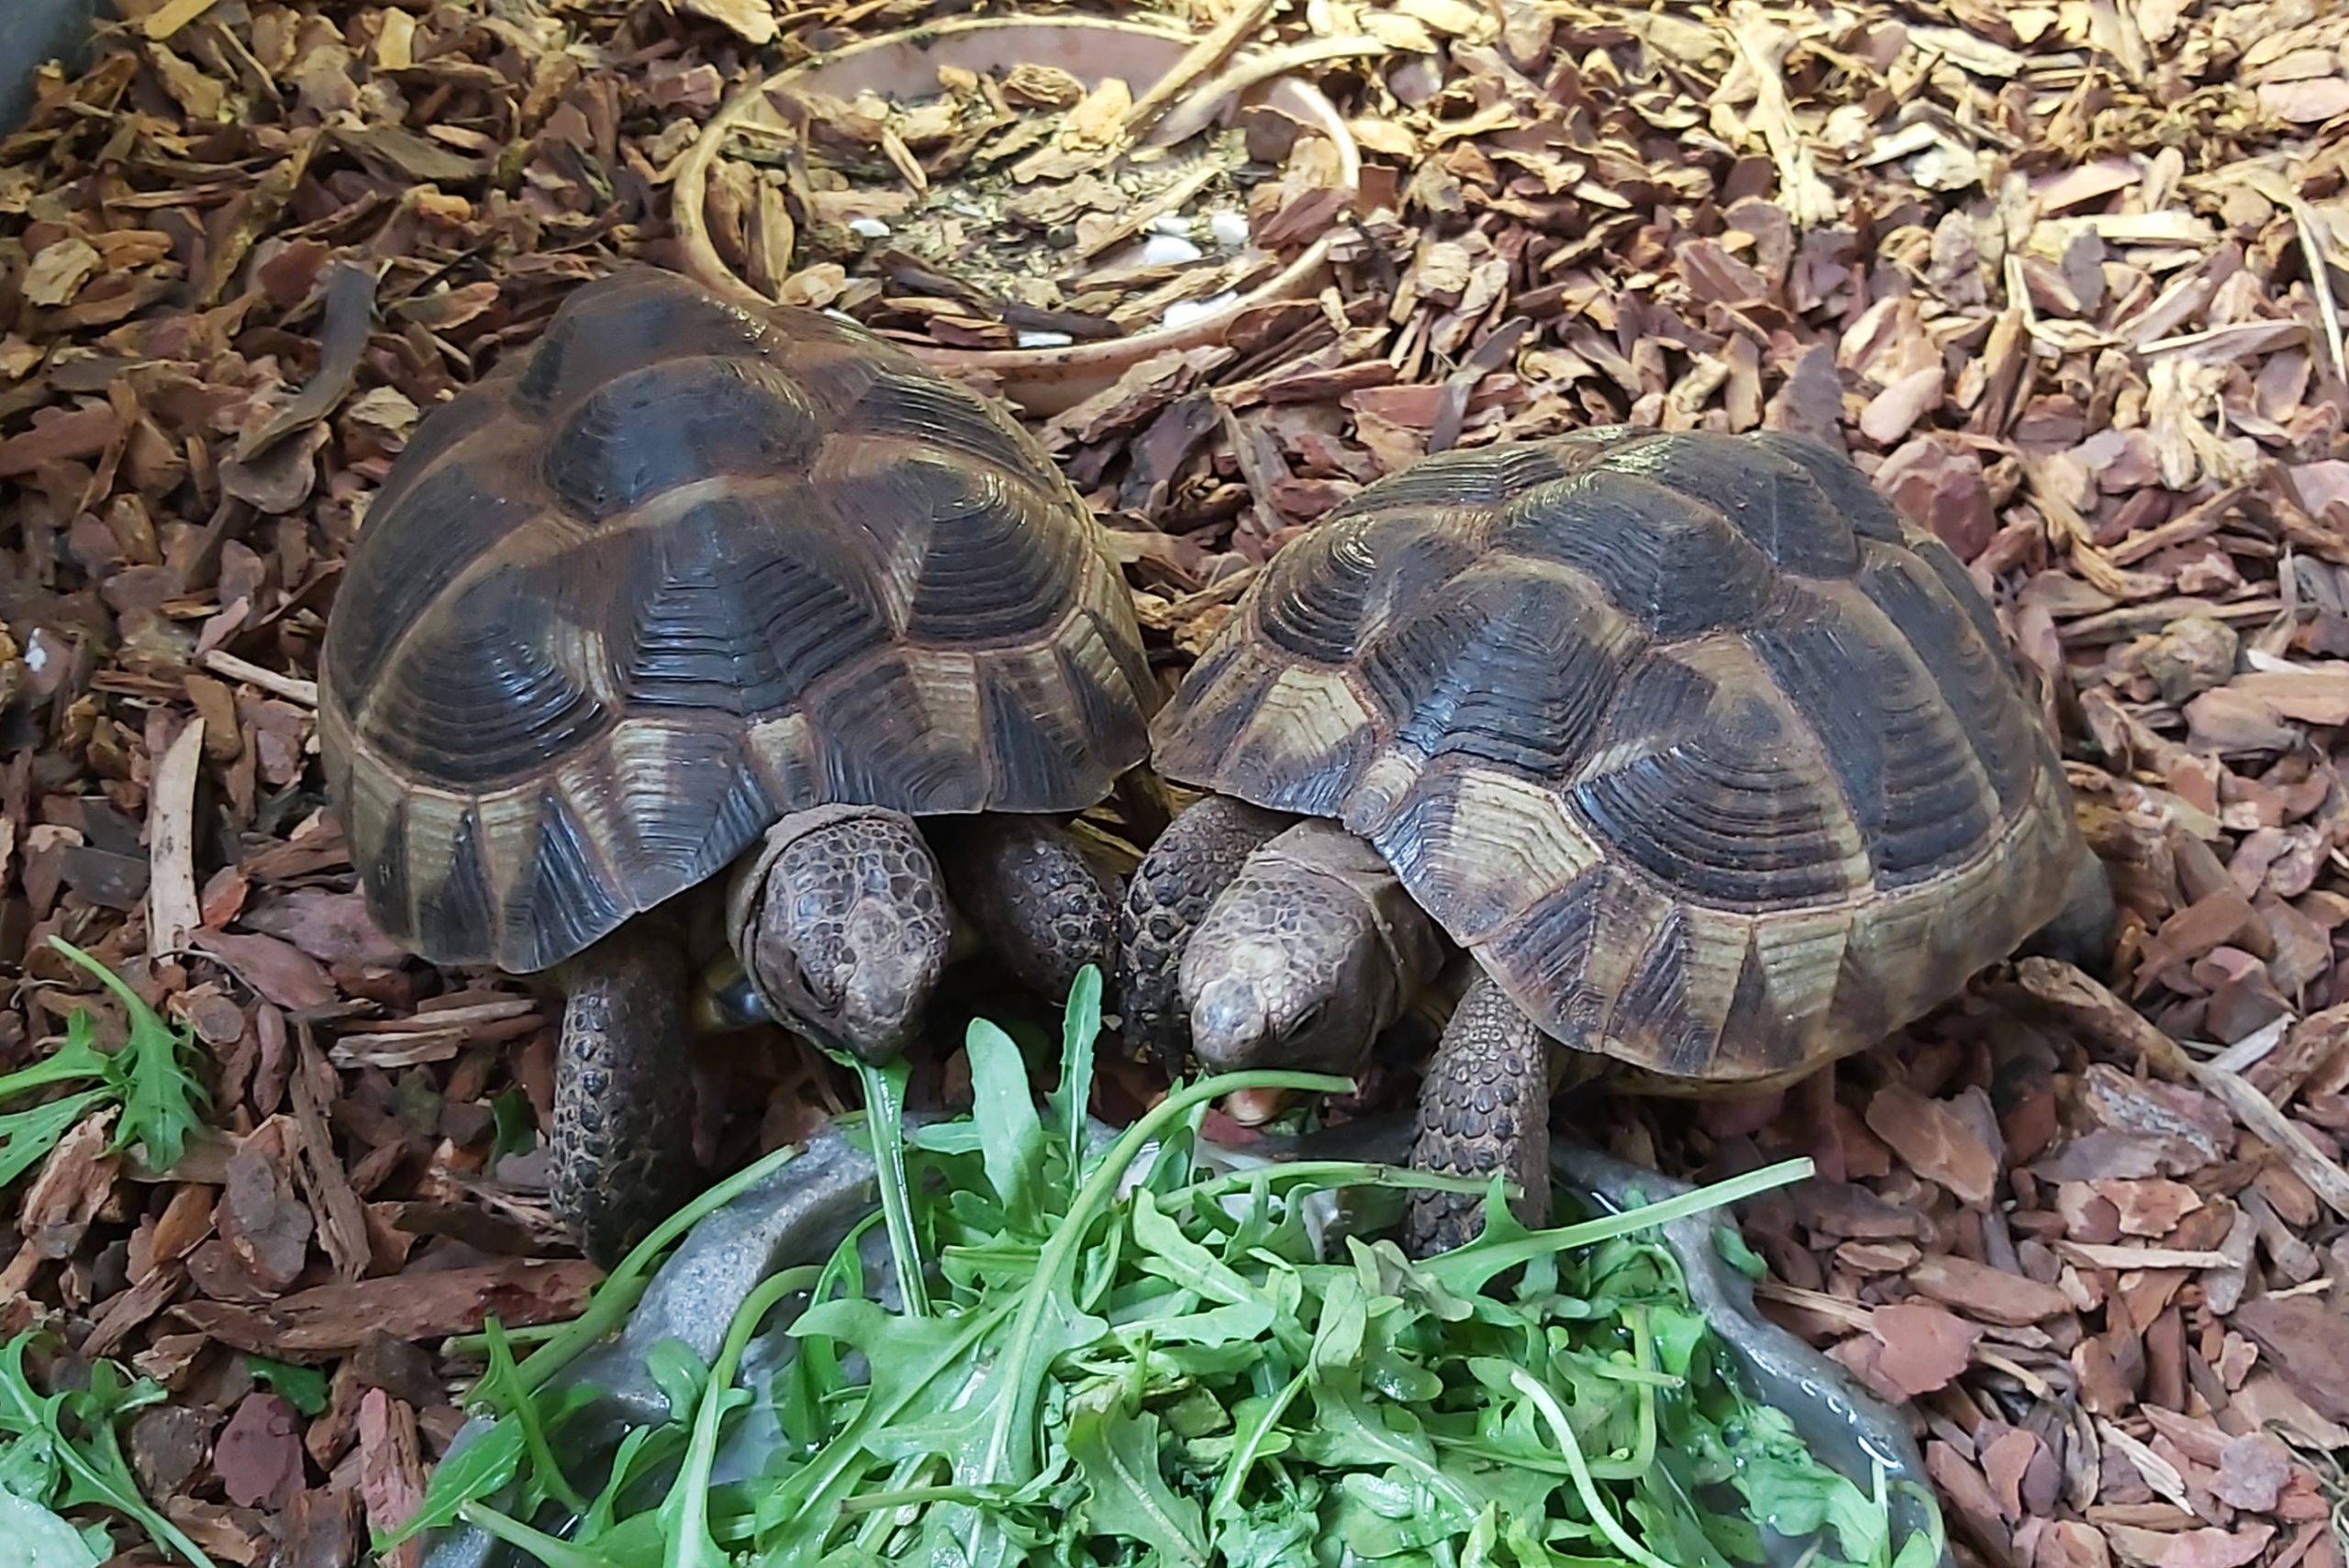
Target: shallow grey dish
x,y
34,32
800,1214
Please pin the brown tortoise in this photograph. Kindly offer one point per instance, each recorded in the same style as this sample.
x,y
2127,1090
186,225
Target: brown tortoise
x,y
687,591
1718,767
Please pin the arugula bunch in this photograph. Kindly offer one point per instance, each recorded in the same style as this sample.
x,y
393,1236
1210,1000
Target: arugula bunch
x,y
60,1451
1123,1362
150,1078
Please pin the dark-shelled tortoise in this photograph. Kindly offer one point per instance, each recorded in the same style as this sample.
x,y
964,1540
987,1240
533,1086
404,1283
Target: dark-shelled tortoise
x,y
1718,767
686,591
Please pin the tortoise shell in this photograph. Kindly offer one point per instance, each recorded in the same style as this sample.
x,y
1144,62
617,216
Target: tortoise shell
x,y
1717,765
683,570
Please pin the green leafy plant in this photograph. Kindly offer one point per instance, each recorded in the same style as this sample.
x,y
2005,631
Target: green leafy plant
x,y
304,1387
1121,1361
162,1100
60,1450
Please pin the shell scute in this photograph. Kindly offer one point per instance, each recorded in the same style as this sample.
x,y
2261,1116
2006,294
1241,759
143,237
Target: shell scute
x,y
1681,570
674,424
1899,754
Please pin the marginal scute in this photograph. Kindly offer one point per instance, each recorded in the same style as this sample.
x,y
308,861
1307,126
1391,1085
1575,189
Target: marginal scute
x,y
564,897
924,756
1310,738
678,569
1484,844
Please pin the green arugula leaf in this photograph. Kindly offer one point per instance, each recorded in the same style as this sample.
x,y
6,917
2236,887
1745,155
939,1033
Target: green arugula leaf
x,y
27,1137
78,1058
163,1101
32,1537
489,1462
304,1387
1119,1455
885,1090
515,1124
77,1430
1011,1136
1070,1102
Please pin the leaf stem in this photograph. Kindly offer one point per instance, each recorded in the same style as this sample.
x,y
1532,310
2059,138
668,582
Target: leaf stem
x,y
1600,1513
884,1102
620,1289
1466,1268
686,1512
553,1550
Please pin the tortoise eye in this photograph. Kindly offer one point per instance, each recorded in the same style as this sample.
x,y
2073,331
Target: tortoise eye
x,y
1309,1020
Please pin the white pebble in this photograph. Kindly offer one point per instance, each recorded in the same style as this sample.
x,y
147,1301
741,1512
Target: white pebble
x,y
1230,229
1183,312
37,654
1045,339
871,227
1167,250
1173,222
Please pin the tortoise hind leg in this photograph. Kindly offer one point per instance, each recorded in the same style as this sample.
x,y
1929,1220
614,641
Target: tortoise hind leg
x,y
1484,1106
2081,932
1041,906
621,1160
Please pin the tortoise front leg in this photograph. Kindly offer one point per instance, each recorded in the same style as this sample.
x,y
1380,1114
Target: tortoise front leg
x,y
1484,1106
1035,899
1187,867
620,1160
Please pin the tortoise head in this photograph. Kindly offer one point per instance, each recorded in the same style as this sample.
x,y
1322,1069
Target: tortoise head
x,y
842,923
1289,970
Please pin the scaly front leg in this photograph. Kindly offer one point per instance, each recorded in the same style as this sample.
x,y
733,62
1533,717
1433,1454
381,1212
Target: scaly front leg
x,y
620,1158
1484,1106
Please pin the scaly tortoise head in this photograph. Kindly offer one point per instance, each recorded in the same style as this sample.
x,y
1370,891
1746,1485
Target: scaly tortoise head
x,y
1708,757
683,570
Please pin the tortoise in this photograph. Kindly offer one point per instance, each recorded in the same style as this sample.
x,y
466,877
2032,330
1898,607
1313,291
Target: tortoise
x,y
694,618
1716,767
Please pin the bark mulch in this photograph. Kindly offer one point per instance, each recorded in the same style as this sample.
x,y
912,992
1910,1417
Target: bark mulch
x,y
2067,278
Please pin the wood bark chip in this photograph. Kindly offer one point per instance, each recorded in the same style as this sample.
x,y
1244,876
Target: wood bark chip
x,y
258,1455
391,1471
172,911
2309,1339
335,1319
